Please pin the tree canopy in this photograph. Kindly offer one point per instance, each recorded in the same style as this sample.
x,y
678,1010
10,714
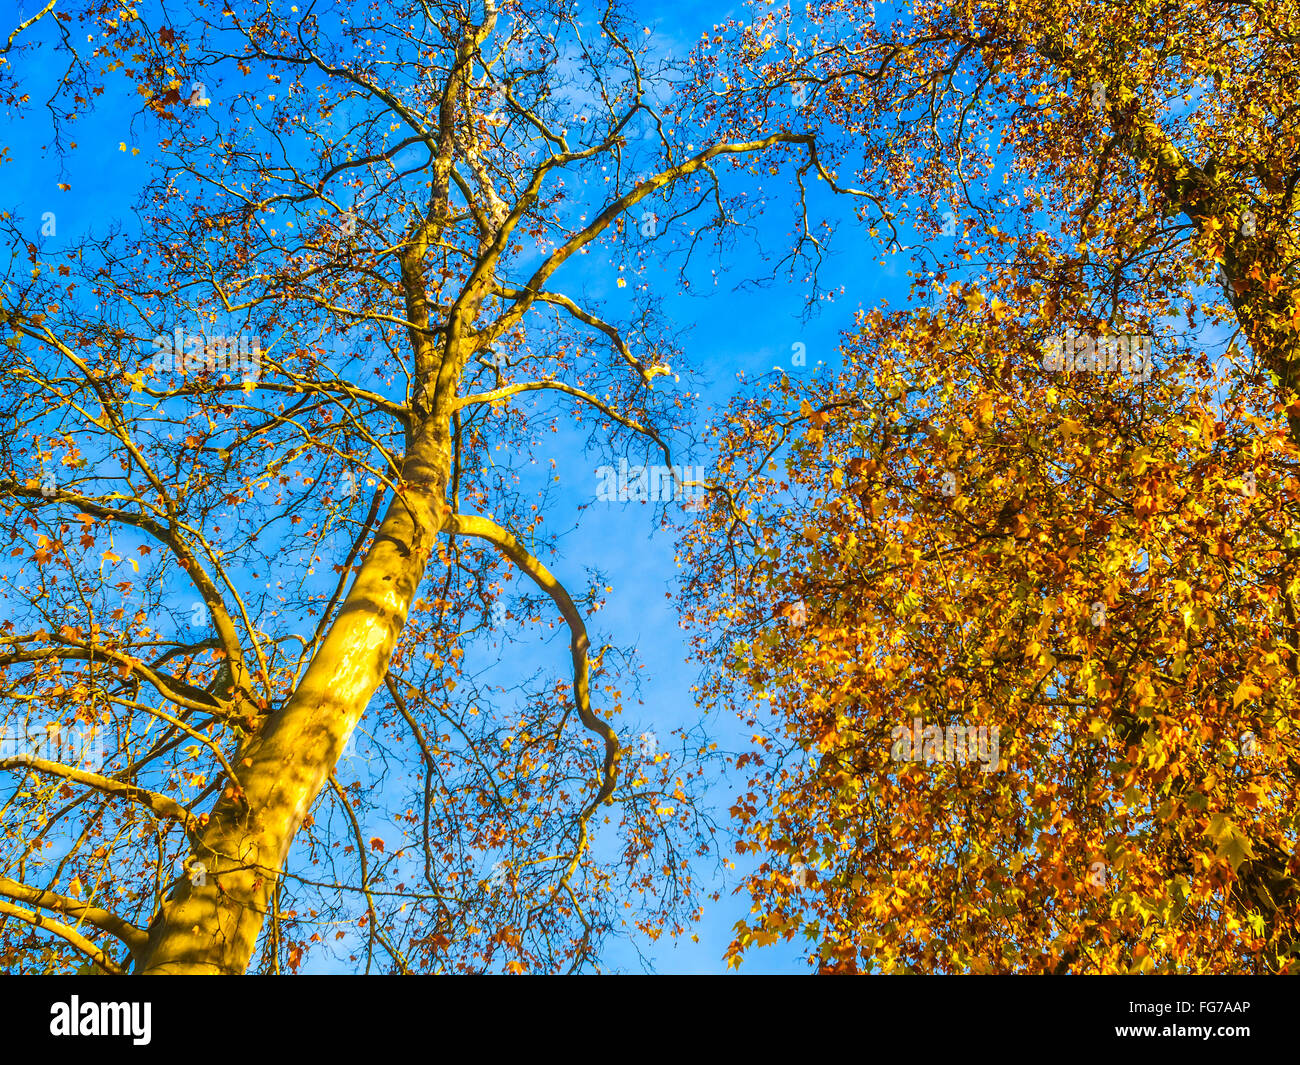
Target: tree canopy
x,y
1005,598
1053,498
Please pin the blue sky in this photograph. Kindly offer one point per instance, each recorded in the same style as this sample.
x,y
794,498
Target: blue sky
x,y
732,332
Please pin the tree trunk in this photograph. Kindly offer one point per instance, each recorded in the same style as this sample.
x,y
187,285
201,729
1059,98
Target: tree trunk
x,y
211,922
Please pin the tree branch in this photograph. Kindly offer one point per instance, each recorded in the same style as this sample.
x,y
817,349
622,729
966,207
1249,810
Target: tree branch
x,y
135,938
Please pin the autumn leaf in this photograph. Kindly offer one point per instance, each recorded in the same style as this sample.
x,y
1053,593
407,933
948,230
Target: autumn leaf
x,y
1245,690
1232,844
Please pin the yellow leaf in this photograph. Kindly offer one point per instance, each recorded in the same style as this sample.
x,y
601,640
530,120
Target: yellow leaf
x,y
1232,843
1245,690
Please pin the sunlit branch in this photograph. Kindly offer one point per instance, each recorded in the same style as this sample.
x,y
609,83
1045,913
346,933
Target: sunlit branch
x,y
66,933
157,804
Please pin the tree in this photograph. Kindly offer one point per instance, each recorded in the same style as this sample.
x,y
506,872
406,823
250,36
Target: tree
x,y
1011,602
266,473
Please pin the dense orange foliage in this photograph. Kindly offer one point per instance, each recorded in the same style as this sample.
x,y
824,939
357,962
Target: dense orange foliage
x,y
1093,564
